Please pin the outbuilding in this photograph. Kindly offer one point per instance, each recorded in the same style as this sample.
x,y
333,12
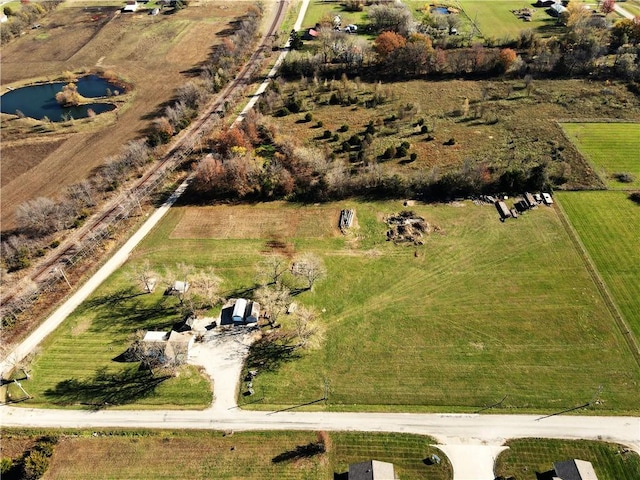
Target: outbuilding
x,y
131,6
546,198
503,210
371,470
574,470
239,310
531,202
253,312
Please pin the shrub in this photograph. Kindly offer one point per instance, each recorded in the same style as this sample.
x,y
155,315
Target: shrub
x,y
344,128
320,124
335,137
308,117
6,464
424,129
326,134
389,153
413,156
635,197
624,177
35,464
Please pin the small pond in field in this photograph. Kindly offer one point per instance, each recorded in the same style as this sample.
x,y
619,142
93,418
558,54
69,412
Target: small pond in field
x,y
440,10
39,101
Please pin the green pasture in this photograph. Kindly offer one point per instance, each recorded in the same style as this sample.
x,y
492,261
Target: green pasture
x,y
631,6
610,148
531,458
494,18
246,455
482,310
608,224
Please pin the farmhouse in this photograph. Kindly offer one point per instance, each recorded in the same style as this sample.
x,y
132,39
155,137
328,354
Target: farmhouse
x,y
371,470
131,6
574,470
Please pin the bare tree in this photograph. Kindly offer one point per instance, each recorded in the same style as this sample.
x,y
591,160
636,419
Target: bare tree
x,y
305,326
274,299
144,276
37,215
309,267
271,268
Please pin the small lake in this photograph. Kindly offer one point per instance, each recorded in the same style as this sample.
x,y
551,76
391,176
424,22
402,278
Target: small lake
x,y
440,10
39,101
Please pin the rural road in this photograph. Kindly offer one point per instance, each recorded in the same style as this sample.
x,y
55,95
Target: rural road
x,y
471,441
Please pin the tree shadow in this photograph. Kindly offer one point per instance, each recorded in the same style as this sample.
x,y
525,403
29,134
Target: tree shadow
x,y
110,298
271,351
549,475
301,451
106,388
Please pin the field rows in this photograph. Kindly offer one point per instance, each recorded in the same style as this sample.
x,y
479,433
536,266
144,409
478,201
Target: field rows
x,y
608,224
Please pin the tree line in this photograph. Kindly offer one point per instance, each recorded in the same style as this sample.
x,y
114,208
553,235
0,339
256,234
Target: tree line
x,y
591,46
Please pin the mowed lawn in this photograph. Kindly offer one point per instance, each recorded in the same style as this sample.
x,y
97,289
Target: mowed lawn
x,y
611,148
482,310
529,458
245,455
495,19
608,224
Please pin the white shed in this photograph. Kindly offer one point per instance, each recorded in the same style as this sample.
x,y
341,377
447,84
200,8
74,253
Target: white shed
x,y
131,6
239,310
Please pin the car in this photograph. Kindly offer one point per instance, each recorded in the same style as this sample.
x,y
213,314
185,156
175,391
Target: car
x,y
351,28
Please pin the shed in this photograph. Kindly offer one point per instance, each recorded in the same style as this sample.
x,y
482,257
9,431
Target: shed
x,y
179,287
239,310
503,210
557,9
186,325
531,202
546,198
131,6
253,312
371,470
574,470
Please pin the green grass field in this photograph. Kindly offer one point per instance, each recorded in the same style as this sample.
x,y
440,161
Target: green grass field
x,y
526,458
608,224
494,18
482,310
610,148
243,455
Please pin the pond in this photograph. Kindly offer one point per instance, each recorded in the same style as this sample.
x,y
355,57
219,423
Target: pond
x,y
440,10
39,101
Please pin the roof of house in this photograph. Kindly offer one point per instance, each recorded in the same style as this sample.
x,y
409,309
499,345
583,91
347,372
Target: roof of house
x,y
574,470
371,470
